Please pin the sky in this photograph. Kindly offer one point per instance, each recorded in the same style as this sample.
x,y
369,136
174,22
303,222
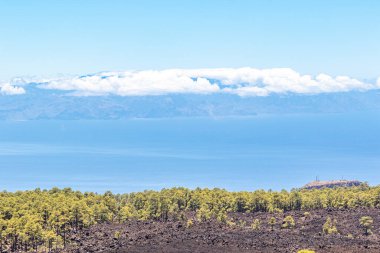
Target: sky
x,y
54,38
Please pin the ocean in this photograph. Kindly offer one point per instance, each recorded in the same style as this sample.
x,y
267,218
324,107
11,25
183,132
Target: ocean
x,y
236,153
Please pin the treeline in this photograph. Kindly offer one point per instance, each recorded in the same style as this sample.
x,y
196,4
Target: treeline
x,y
42,219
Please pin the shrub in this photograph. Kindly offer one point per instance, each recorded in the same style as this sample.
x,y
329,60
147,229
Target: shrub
x,y
330,226
306,251
288,222
222,217
366,222
256,224
203,214
117,235
189,223
241,223
230,223
307,215
272,222
275,210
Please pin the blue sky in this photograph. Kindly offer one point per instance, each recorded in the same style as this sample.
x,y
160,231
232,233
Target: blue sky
x,y
42,38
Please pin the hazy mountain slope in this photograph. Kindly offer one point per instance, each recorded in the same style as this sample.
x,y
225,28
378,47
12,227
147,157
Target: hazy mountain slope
x,y
46,104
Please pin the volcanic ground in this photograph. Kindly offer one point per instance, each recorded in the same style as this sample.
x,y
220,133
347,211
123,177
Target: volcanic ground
x,y
211,236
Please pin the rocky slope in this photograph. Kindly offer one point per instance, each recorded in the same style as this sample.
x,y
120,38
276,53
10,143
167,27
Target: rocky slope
x,y
175,236
331,184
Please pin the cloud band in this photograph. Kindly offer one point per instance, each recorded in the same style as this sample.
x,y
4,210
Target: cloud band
x,y
240,81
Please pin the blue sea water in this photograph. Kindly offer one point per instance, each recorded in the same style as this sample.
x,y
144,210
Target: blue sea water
x,y
261,152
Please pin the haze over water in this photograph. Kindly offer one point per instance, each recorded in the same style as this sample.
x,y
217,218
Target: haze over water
x,y
246,153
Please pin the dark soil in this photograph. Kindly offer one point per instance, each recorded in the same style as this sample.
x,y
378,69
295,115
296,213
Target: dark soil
x,y
174,236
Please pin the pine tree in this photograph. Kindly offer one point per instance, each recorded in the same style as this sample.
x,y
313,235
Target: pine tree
x,y
366,222
272,222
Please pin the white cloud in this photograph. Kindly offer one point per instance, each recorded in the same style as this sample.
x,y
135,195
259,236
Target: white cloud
x,y
250,81
241,81
8,89
135,83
